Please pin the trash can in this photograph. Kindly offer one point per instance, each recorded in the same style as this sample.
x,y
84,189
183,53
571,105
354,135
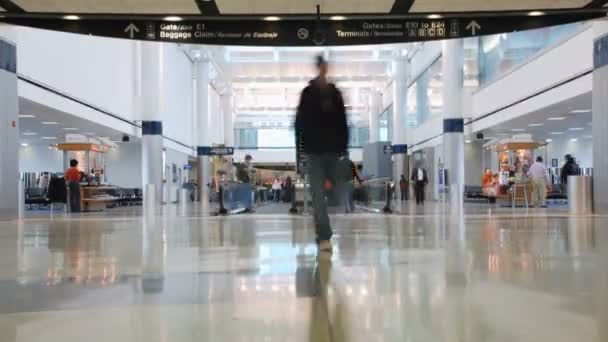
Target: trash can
x,y
183,196
580,194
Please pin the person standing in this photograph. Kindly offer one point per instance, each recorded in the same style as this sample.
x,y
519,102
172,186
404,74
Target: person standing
x,y
570,168
420,180
538,174
73,177
403,188
321,129
276,189
43,183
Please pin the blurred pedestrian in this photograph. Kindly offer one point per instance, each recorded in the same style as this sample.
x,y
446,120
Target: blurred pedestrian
x,y
322,130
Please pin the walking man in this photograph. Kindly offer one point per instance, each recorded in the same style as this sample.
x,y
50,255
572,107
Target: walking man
x,y
322,130
420,180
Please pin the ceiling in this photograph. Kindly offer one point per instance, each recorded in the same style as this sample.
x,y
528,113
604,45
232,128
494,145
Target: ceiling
x,y
215,7
65,124
576,123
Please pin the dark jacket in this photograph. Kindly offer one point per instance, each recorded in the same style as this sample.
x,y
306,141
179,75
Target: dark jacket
x,y
569,169
415,177
321,120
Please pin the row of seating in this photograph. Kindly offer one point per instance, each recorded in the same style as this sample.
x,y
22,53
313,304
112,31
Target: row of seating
x,y
475,192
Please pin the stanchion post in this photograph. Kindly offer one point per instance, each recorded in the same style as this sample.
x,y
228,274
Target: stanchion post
x,y
223,210
387,207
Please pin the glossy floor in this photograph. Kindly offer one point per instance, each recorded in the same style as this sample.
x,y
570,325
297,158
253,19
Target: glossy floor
x,y
425,276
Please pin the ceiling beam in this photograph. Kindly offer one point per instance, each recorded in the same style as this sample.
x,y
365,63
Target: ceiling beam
x,y
596,4
10,6
402,6
207,7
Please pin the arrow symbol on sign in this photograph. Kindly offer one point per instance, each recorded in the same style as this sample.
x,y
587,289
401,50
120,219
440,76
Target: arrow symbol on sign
x,y
473,27
131,29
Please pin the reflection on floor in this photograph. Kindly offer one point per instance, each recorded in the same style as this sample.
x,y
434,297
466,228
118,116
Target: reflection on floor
x,y
423,275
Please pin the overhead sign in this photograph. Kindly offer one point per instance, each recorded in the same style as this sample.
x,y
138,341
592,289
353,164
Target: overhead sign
x,y
400,149
230,31
215,151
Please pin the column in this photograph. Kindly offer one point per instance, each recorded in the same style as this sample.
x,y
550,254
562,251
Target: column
x,y
600,120
227,109
203,122
9,130
399,119
453,123
375,106
151,113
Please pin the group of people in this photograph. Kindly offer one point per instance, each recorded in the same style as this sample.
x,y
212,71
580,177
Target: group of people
x,y
282,190
419,179
538,176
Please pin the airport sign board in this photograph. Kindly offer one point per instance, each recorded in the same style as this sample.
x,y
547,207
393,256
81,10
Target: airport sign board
x,y
299,32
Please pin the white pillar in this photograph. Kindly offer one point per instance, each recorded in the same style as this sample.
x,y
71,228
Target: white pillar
x,y
152,59
453,123
227,109
399,119
203,121
600,118
375,106
9,131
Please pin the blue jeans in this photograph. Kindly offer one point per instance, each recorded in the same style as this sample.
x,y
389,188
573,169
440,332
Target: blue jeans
x,y
349,200
321,168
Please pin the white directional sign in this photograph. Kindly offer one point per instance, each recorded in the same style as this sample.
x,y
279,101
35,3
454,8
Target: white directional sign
x,y
473,27
131,30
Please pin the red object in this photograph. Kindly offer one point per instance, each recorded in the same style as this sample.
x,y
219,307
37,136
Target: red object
x,y
14,124
328,185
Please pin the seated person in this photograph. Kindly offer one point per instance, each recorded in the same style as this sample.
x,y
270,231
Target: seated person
x,y
489,185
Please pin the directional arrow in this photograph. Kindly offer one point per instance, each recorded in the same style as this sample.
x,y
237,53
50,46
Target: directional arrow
x,y
473,27
131,29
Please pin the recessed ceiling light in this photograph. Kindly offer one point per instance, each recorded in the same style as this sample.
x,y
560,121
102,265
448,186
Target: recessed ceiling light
x,y
580,111
576,128
173,18
70,129
24,144
49,123
556,118
71,17
535,125
536,13
272,18
24,116
574,139
29,133
337,18
434,16
467,141
49,138
548,140
556,133
517,130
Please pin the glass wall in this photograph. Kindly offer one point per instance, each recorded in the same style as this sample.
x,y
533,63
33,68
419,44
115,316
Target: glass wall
x,y
501,53
277,138
425,95
385,125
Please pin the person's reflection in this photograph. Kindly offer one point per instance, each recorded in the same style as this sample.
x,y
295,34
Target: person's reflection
x,y
601,278
153,255
327,322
